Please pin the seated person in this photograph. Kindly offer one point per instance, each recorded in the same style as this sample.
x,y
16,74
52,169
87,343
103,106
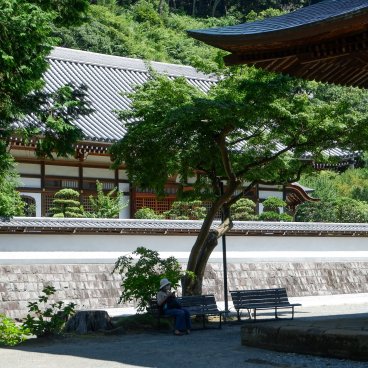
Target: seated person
x,y
169,305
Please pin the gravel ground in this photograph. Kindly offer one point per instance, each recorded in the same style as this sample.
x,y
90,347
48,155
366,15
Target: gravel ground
x,y
217,348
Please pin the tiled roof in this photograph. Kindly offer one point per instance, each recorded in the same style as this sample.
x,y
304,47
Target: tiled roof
x,y
26,225
106,77
325,10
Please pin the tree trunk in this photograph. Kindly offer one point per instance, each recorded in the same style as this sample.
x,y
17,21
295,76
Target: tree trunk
x,y
214,7
88,321
194,286
194,8
161,7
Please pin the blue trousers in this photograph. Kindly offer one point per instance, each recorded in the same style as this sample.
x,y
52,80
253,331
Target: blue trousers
x,y
182,318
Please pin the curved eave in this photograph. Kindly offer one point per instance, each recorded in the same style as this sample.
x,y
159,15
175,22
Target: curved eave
x,y
297,195
263,35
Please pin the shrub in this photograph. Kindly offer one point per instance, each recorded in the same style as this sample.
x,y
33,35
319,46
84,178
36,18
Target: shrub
x,y
10,333
147,213
66,204
141,278
45,320
106,205
186,210
243,210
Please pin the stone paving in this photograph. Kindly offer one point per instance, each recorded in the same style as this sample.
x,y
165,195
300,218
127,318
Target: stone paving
x,y
201,349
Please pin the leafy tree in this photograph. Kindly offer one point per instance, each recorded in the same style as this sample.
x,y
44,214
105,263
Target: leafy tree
x,y
340,209
271,210
141,278
243,210
25,40
47,319
252,127
336,190
66,204
106,205
11,203
186,210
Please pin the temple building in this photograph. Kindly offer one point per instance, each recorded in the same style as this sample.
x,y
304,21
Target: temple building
x,y
325,42
106,78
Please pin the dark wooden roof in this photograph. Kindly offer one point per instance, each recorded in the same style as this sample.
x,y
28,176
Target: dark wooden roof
x,y
326,42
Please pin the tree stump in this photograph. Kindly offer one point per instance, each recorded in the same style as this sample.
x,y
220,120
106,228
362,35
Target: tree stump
x,y
89,321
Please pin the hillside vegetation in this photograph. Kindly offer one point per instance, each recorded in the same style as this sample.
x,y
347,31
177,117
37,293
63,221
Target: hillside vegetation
x,y
156,30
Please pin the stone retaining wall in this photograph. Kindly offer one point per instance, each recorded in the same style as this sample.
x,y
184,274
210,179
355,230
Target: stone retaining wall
x,y
93,285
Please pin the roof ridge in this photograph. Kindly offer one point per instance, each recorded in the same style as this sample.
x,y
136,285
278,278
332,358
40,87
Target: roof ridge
x,y
127,63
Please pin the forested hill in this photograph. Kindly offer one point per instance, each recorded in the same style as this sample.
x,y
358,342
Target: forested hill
x,y
156,30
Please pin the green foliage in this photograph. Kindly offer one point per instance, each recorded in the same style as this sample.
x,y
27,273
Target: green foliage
x,y
273,204
243,210
11,203
54,120
147,213
336,190
66,204
271,210
141,273
139,31
341,209
252,127
45,319
183,210
106,205
11,334
25,41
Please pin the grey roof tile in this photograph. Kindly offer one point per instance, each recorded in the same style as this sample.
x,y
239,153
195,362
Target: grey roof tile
x,y
106,77
168,227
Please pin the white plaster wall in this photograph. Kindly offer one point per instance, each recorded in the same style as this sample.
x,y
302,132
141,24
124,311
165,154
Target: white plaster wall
x,y
30,182
125,212
89,172
30,169
56,170
74,248
270,193
123,175
37,198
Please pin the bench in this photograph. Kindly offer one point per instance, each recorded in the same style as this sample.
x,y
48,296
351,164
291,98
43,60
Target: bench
x,y
261,299
197,305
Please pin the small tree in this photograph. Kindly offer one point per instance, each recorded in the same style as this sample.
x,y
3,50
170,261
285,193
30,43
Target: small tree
x,y
243,210
272,210
186,210
66,204
106,205
46,319
141,278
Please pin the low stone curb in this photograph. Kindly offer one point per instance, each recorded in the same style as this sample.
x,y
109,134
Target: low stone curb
x,y
346,342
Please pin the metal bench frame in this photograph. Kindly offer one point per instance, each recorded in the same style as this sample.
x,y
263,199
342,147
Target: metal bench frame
x,y
261,299
197,305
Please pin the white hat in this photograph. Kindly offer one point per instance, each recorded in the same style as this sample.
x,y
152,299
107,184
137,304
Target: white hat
x,y
164,282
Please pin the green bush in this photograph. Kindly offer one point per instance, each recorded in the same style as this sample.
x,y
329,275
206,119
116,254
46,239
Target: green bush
x,y
106,205
186,210
243,210
45,320
66,204
147,213
10,333
141,277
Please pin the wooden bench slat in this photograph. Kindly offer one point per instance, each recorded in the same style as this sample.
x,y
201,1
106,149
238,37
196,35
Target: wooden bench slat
x,y
275,298
197,305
